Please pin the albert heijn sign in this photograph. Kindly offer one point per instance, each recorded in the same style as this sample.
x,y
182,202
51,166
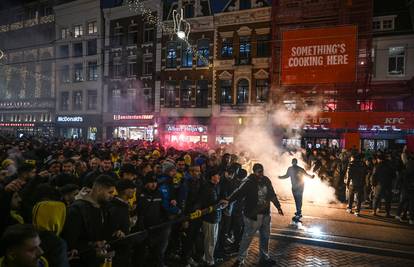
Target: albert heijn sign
x,y
362,121
319,55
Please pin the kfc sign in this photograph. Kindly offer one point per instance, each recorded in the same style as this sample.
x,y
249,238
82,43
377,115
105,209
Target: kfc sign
x,y
394,120
319,55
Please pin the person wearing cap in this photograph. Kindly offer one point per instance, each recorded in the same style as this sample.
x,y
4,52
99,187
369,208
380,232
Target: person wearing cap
x,y
119,221
257,193
297,177
150,211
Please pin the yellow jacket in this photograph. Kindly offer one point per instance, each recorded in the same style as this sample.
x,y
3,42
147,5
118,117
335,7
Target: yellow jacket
x,y
49,216
41,263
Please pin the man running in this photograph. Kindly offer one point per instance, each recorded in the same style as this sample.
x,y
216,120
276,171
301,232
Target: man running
x,y
296,174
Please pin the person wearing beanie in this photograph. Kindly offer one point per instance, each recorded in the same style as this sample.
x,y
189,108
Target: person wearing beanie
x,y
119,221
210,196
150,212
257,193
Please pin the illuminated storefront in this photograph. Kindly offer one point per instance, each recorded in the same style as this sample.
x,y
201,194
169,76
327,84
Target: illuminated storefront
x,y
134,127
79,127
180,133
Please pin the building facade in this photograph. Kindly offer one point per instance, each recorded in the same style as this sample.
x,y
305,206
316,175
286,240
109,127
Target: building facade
x,y
79,69
132,71
27,91
242,60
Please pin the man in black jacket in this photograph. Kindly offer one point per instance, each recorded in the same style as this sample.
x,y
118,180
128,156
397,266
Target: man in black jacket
x,y
104,169
382,178
86,223
119,221
355,181
257,193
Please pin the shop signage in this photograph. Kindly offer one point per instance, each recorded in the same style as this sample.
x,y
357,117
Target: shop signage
x,y
2,124
186,128
132,117
319,55
69,119
27,104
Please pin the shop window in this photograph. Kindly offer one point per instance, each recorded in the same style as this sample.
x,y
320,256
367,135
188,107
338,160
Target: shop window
x,y
263,46
64,101
170,94
187,58
92,27
148,33
203,50
78,72
186,93
77,49
92,71
63,51
226,92
78,31
64,74
77,100
396,61
92,99
262,90
202,94
171,55
92,47
243,92
227,48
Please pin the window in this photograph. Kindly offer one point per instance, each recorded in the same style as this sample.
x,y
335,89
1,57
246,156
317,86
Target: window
x,y
186,93
330,105
188,11
242,92
117,69
117,38
92,47
92,99
77,100
203,48
244,51
131,100
147,100
148,33
263,45
202,94
78,72
64,33
170,93
132,68
92,71
77,50
64,101
396,61
147,66
366,105
171,55
227,48
92,27
78,31
290,104
245,4
116,100
187,58
64,74
376,25
262,90
226,92
63,51
388,24
133,34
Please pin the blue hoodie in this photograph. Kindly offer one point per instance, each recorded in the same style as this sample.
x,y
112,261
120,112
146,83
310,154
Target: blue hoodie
x,y
164,185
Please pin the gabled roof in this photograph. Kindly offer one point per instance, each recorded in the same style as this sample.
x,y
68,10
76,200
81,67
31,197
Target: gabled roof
x,y
229,2
398,8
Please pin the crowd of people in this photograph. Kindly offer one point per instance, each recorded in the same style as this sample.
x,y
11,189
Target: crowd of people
x,y
74,203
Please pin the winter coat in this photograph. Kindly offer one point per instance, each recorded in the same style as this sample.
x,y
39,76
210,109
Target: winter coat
x,y
189,195
355,174
150,209
210,196
249,191
167,194
383,174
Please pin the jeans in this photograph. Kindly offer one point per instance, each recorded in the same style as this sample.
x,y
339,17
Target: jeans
x,y
359,195
210,231
250,228
298,196
192,238
382,192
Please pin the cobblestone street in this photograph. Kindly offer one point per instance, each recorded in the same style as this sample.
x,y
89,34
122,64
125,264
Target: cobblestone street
x,y
295,254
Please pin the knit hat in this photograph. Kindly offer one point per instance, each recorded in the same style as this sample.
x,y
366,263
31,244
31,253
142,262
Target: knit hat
x,y
167,166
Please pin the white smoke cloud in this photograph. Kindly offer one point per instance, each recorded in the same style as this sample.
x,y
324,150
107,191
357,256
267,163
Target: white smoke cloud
x,y
258,139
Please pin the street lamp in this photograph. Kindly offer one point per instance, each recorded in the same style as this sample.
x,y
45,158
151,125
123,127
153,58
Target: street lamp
x,y
181,26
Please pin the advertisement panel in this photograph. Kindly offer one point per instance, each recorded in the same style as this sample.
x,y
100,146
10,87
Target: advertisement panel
x,y
319,55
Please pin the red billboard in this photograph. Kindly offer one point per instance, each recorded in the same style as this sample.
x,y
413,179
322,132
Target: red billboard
x,y
319,55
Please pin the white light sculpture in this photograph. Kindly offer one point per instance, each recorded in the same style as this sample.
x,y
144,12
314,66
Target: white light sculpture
x,y
181,26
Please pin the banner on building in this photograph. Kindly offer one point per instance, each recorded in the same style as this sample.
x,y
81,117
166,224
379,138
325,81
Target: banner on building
x,y
319,55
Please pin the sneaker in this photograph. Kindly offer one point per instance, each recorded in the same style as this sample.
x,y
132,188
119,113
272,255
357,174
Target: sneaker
x,y
191,262
349,210
238,263
267,262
